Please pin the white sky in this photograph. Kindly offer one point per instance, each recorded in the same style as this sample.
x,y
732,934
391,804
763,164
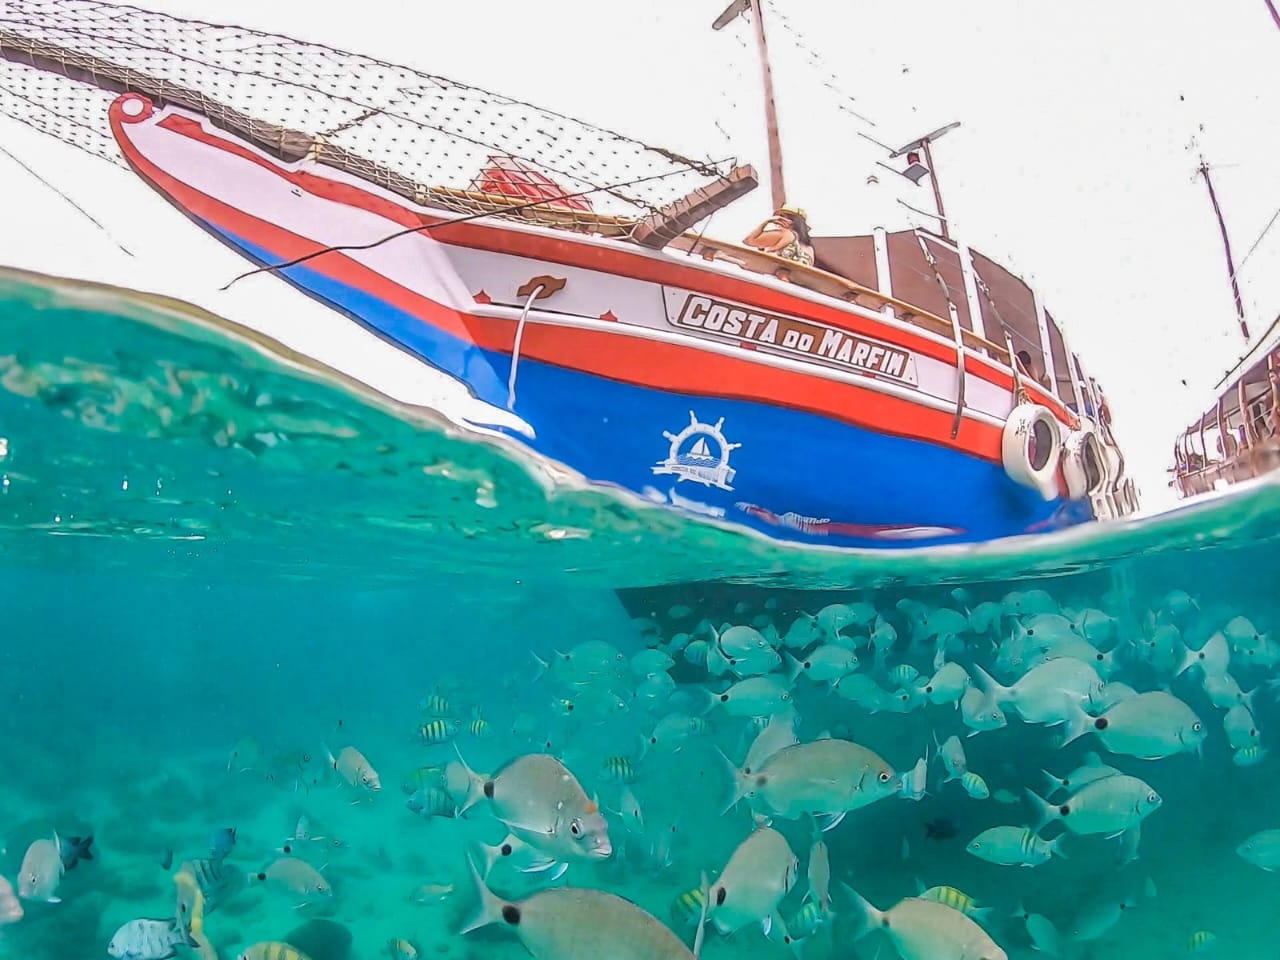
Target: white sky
x,y
1071,165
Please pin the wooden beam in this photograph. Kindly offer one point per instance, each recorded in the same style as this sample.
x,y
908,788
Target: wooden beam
x,y
664,225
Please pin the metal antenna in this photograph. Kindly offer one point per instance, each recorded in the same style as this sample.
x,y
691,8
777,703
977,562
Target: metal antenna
x,y
923,144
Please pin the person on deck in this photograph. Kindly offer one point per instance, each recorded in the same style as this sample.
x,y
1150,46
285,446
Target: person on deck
x,y
1029,368
786,235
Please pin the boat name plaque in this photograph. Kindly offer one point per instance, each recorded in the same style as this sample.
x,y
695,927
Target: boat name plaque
x,y
816,341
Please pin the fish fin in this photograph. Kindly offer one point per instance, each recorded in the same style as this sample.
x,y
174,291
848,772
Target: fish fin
x,y
740,781
833,820
1046,812
541,866
1075,726
543,667
490,907
989,685
793,668
766,925
492,854
1053,783
702,920
475,784
865,916
54,900
1055,847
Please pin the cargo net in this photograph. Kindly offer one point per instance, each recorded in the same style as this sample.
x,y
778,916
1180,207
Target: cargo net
x,y
426,138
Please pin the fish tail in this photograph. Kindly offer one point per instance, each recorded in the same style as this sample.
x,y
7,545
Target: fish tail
x,y
741,781
1056,847
865,916
475,784
792,668
1052,783
490,907
1046,812
543,667
1189,659
990,685
1248,698
1075,726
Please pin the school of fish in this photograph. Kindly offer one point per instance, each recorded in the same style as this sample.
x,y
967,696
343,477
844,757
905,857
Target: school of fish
x,y
765,705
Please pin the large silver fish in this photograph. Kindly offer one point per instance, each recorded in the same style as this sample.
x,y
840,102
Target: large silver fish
x,y
1150,726
825,778
1109,806
567,923
544,806
928,930
760,873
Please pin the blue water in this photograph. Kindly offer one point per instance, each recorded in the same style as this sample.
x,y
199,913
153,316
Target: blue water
x,y
206,550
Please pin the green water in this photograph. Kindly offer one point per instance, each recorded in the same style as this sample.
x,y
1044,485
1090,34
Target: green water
x,y
204,543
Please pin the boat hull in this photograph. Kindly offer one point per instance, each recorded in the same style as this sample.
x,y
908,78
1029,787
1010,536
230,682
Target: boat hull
x,y
854,446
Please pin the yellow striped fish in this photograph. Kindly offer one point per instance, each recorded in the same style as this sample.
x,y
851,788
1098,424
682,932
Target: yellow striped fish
x,y
619,770
273,950
401,949
422,778
439,731
806,921
1202,941
437,706
956,900
686,909
479,728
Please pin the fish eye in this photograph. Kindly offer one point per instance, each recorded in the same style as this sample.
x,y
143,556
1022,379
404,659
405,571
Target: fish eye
x,y
786,696
884,776
306,758
575,828
1196,726
1152,797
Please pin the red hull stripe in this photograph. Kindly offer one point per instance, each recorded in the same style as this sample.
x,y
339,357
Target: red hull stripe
x,y
617,261
634,360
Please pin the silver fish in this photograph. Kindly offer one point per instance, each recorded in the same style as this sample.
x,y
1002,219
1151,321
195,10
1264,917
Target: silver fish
x,y
761,871
566,923
149,940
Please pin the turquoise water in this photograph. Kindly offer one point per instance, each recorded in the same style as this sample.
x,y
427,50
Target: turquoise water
x,y
208,550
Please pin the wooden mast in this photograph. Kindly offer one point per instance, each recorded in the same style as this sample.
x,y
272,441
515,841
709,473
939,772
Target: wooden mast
x,y
1226,246
735,9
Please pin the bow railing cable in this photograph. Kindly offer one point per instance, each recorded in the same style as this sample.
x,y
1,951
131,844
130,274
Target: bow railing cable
x,y
439,225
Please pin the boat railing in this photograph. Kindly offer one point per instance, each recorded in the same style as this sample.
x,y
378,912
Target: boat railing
x,y
832,285
839,288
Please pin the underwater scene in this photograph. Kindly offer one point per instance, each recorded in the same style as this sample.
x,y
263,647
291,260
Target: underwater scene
x,y
291,673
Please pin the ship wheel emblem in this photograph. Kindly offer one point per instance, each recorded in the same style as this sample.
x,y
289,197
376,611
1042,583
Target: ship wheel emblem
x,y
699,453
